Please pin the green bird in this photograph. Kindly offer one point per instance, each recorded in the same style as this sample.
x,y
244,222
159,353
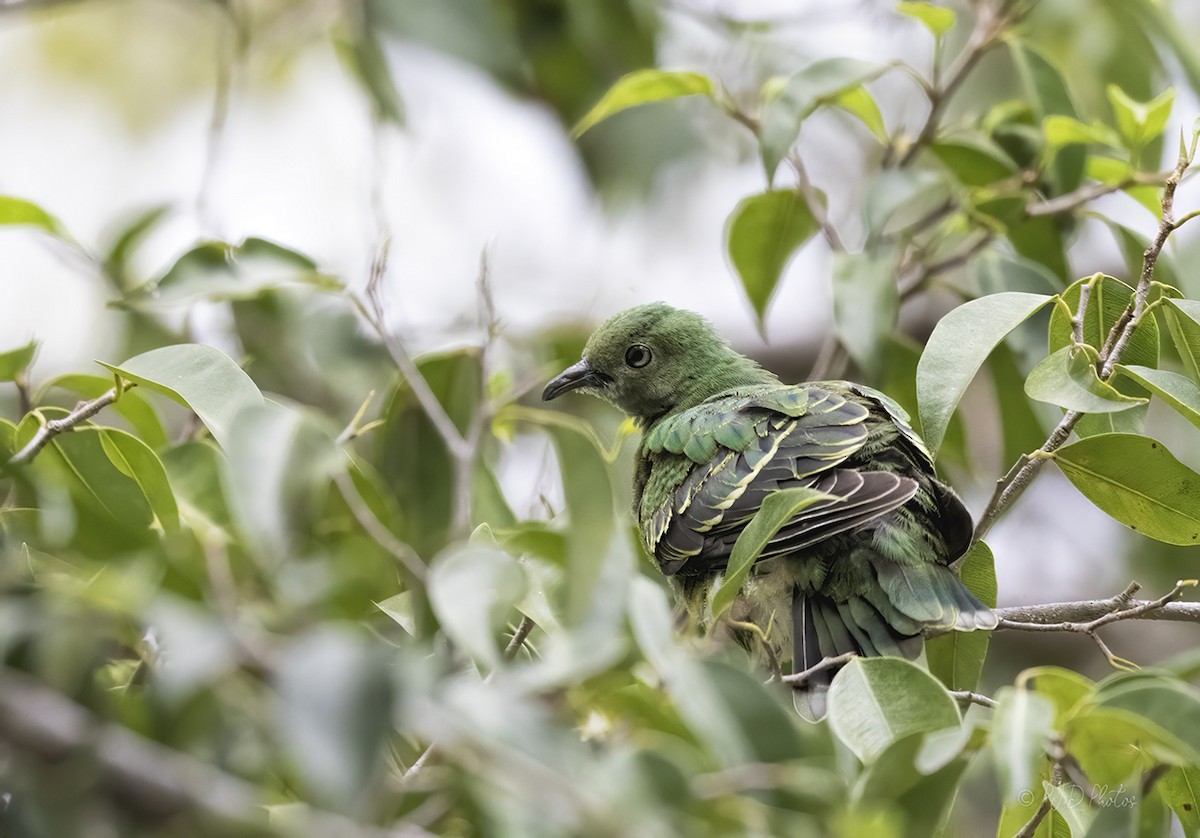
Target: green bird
x,y
866,571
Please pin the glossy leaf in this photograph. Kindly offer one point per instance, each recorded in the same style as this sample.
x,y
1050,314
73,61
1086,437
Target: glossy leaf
x,y
956,658
866,301
875,702
777,509
761,236
1137,481
859,103
1179,391
135,460
1021,725
642,87
1068,378
200,377
15,361
957,348
820,83
1183,322
1180,788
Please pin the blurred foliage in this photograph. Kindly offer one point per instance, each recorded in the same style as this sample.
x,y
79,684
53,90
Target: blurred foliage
x,y
276,590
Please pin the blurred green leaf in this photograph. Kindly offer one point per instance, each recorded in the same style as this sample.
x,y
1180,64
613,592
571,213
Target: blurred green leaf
x,y
15,361
1183,322
197,647
899,197
956,658
17,211
135,460
335,699
761,236
874,702
1140,122
1068,378
473,589
1112,743
199,377
1179,391
642,87
866,301
1069,802
1065,689
859,103
957,348
1137,481
126,241
1050,96
194,470
973,159
937,19
820,83
131,406
1180,788
1066,130
359,48
1021,725
776,510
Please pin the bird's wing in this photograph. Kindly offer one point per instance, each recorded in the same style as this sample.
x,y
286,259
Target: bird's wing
x,y
781,437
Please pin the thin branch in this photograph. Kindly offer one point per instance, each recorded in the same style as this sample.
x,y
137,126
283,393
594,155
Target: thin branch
x,y
82,412
1013,484
362,513
813,200
1089,192
974,698
1034,822
1086,616
948,264
518,639
798,678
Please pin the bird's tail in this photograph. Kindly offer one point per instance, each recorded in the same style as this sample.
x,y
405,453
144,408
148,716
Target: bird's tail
x,y
888,616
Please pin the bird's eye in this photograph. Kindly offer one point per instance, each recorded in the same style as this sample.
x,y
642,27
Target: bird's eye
x,y
637,356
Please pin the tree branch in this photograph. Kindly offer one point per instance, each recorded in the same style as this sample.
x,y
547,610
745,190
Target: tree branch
x,y
518,639
82,412
798,678
1013,484
1086,616
974,698
1090,192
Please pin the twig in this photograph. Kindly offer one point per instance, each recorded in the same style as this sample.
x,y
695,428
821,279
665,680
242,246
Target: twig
x,y
1090,192
1013,484
973,698
988,26
24,397
815,206
1085,291
1087,616
798,678
362,513
231,47
518,639
1034,822
54,427
959,259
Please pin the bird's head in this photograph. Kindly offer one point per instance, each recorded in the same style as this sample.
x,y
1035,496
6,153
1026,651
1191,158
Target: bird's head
x,y
653,358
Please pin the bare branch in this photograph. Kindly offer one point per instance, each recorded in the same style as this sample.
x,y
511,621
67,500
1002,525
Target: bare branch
x,y
82,412
974,698
400,551
1089,192
1035,821
798,678
813,200
518,639
1086,616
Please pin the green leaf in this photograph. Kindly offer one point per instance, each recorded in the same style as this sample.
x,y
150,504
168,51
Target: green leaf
x,y
865,303
859,103
1065,688
131,406
762,235
956,658
875,702
334,713
278,464
472,590
194,469
116,261
1066,130
937,19
1108,170
1070,803
1163,703
1140,122
957,348
898,197
15,361
135,460
1183,322
1022,723
1050,95
1068,378
973,159
1180,788
17,211
217,271
820,83
197,376
776,510
1179,391
642,87
1137,481
360,50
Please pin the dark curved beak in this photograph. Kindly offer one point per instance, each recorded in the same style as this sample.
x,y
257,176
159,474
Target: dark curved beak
x,y
572,378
